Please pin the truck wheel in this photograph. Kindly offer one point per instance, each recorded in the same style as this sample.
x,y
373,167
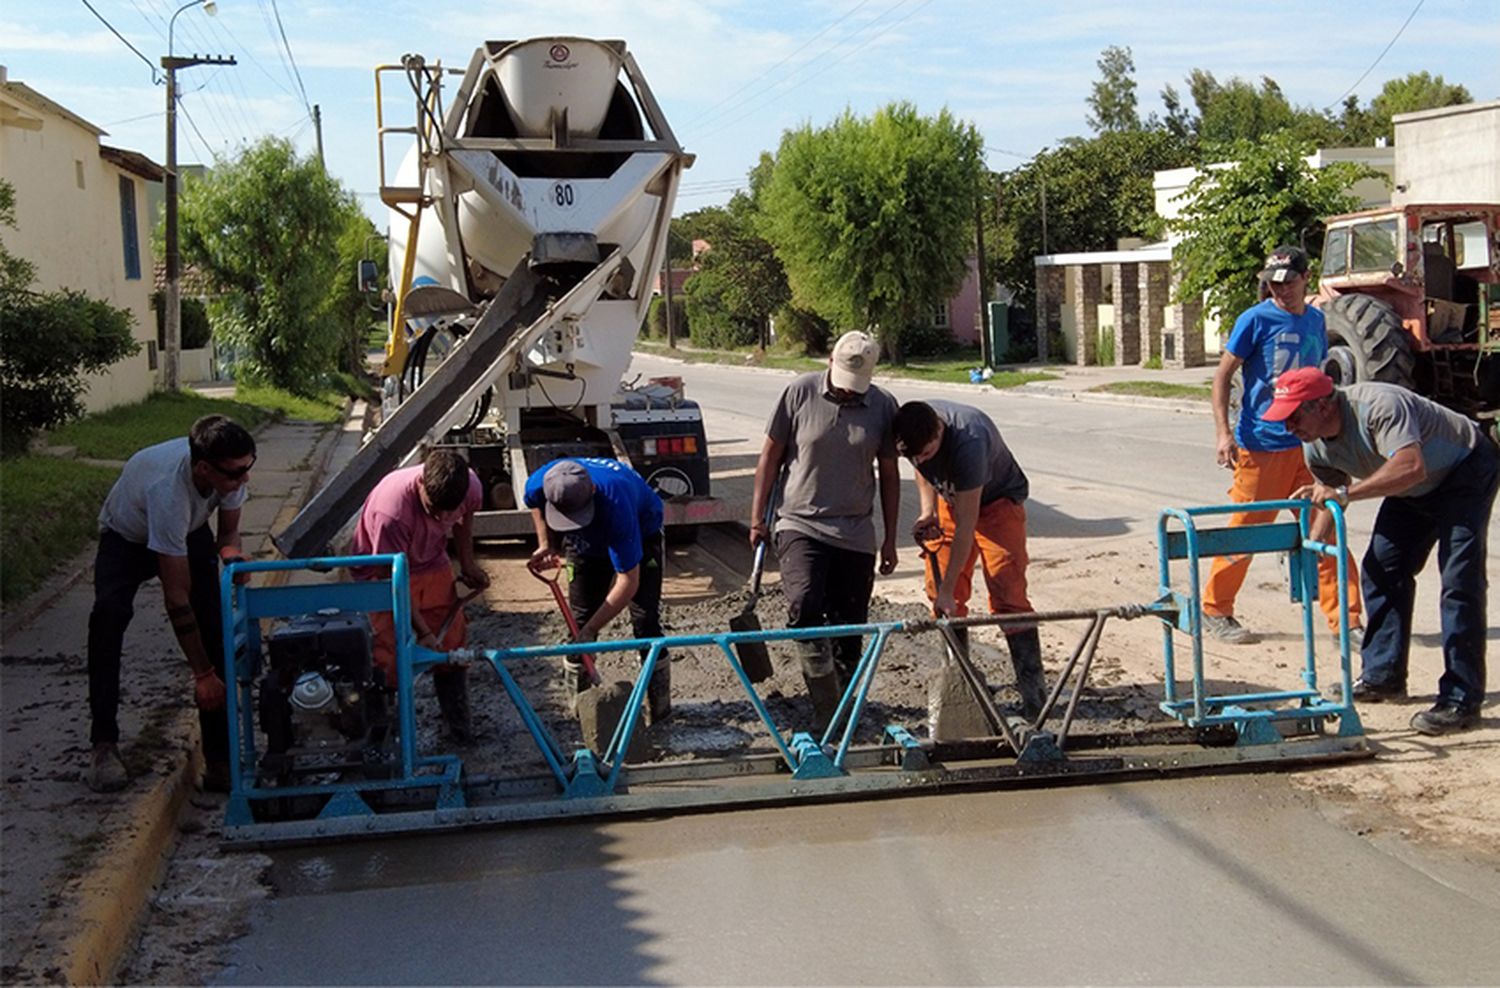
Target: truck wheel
x,y
1366,342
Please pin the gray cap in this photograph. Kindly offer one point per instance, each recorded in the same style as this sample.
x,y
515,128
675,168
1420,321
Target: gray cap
x,y
570,496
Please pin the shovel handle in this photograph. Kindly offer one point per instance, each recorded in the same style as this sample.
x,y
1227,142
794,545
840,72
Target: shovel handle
x,y
567,613
758,567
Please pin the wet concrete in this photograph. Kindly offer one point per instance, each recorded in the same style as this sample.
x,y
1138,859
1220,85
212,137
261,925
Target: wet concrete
x,y
1214,881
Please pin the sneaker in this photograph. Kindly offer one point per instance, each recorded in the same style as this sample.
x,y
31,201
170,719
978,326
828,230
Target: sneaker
x,y
106,771
1228,630
1445,718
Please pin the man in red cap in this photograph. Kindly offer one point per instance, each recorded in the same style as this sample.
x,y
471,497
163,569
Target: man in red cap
x,y
1438,475
1280,333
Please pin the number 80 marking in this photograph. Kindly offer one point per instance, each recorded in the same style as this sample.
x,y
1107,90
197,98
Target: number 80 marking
x,y
562,193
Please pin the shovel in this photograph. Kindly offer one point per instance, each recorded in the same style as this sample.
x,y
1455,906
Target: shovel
x,y
586,659
754,656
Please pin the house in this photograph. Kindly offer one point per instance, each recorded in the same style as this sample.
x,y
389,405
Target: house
x,y
1129,290
82,220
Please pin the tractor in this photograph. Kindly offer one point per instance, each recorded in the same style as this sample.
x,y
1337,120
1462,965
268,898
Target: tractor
x,y
1411,295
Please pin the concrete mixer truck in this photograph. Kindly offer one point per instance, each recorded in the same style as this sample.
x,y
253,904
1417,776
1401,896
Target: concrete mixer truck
x,y
528,218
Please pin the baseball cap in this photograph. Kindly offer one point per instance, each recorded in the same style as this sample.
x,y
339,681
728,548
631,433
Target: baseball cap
x,y
1284,264
1293,388
570,496
853,365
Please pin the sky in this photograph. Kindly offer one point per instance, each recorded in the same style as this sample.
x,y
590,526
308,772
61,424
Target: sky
x,y
731,75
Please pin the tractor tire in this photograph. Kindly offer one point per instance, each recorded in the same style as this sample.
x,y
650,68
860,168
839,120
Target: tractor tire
x,y
1366,342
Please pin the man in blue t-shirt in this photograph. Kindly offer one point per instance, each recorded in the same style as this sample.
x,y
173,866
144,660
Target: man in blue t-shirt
x,y
610,525
1280,333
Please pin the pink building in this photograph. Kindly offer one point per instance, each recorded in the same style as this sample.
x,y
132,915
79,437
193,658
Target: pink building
x,y
961,312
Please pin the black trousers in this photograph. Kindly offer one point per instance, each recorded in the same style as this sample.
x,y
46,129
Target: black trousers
x,y
590,577
120,568
825,584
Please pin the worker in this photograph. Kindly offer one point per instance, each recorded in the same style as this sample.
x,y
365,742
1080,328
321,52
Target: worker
x,y
827,430
608,523
155,523
417,510
1437,474
1279,333
973,494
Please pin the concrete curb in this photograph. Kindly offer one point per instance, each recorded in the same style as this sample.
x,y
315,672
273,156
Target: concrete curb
x,y
98,925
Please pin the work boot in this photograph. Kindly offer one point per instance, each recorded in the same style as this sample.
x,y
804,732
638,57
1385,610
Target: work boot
x,y
1228,630
451,684
575,681
1031,681
106,771
659,690
822,681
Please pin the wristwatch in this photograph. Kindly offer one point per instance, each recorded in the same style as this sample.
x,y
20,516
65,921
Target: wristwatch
x,y
1342,491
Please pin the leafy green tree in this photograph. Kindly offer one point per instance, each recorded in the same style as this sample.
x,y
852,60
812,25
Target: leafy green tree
x,y
48,342
265,229
873,217
1096,191
1112,103
1410,93
347,306
1236,215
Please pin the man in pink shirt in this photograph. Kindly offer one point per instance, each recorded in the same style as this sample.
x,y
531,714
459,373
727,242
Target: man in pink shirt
x,y
416,510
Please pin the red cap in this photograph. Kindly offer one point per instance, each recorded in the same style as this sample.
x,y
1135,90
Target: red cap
x,y
1293,388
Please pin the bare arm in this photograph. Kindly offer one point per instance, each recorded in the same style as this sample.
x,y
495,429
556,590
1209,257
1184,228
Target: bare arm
x,y
965,520
545,556
889,471
463,543
176,588
1224,448
1404,470
923,528
767,469
621,593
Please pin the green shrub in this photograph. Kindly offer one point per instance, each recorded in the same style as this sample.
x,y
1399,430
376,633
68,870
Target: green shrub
x,y
1105,353
656,319
803,330
712,322
195,329
925,340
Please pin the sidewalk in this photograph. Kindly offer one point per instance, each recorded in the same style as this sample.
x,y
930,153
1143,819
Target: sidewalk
x,y
76,867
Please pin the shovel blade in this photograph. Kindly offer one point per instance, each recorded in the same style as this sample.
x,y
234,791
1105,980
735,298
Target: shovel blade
x,y
754,656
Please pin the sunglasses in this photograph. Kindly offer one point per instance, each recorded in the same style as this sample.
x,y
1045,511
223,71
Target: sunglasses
x,y
233,474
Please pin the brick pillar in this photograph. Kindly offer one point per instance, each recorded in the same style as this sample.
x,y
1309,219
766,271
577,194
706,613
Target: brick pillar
x,y
1187,343
1086,296
1050,289
1127,315
1151,283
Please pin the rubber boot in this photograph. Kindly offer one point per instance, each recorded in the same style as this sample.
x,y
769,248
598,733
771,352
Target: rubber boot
x,y
961,636
822,682
1026,659
575,681
451,683
659,690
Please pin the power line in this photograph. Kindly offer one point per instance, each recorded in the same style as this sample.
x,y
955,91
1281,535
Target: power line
x,y
290,57
155,76
1378,57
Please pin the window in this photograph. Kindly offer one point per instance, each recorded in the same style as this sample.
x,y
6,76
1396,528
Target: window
x,y
128,231
78,172
939,315
1473,247
1374,246
1336,251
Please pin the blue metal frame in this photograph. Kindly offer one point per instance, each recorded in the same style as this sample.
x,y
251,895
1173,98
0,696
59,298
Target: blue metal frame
x,y
1253,714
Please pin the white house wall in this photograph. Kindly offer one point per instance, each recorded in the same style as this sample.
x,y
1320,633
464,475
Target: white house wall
x,y
1448,155
68,226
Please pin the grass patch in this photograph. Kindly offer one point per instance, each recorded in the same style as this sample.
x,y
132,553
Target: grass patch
x,y
1158,389
326,406
952,368
116,434
49,510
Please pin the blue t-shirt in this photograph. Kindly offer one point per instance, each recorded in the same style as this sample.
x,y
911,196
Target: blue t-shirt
x,y
625,510
1271,340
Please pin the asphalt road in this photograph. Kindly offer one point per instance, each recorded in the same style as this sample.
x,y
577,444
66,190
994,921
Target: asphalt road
x,y
1225,880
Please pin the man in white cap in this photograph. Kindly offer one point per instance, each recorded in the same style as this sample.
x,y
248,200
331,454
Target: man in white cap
x,y
828,430
609,523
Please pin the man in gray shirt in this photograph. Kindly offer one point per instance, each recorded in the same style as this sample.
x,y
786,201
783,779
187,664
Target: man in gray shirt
x,y
827,430
973,493
155,522
1438,476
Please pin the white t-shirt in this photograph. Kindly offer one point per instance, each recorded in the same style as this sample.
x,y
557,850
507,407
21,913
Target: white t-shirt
x,y
155,503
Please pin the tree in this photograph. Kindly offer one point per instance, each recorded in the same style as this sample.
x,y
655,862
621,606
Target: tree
x,y
1096,191
1238,110
1112,105
265,229
1417,91
873,217
347,307
1236,215
48,341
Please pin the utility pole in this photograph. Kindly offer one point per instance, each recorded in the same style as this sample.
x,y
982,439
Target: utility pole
x,y
986,352
318,129
172,318
667,291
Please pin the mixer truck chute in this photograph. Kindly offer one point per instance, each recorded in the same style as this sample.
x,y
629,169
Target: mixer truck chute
x,y
528,218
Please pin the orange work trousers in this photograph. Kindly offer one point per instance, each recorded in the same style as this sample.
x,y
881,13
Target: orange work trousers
x,y
1000,541
1272,476
433,595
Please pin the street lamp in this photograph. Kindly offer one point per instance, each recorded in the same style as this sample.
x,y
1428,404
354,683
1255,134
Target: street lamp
x,y
172,317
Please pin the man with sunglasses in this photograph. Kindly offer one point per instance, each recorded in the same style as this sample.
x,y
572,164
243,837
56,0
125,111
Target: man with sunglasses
x,y
155,523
